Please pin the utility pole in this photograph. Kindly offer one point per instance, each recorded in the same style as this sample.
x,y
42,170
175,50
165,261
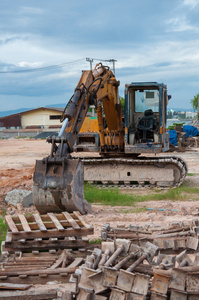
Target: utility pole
x,y
113,61
91,61
107,60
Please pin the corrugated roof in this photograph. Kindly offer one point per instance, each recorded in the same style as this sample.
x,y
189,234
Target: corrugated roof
x,y
15,119
60,109
11,121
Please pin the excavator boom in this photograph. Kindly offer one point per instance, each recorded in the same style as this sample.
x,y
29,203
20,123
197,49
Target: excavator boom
x,y
58,181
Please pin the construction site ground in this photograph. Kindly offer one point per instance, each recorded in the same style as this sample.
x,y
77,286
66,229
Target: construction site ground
x,y
17,159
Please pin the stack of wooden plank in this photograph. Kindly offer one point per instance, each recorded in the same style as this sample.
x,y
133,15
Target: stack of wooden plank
x,y
45,232
38,268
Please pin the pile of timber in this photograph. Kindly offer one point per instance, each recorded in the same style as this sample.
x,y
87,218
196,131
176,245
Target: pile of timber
x,y
120,268
176,237
45,232
116,270
37,267
42,275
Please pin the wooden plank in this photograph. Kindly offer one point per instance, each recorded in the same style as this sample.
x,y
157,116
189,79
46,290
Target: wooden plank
x,y
37,271
30,294
11,224
39,222
45,245
41,255
26,263
71,220
64,257
42,258
48,225
24,223
56,221
24,269
32,279
12,286
78,215
57,263
53,233
45,218
76,262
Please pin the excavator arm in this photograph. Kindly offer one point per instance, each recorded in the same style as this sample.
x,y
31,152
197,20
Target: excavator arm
x,y
58,181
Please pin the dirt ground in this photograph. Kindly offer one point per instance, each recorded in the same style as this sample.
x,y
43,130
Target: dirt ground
x,y
17,159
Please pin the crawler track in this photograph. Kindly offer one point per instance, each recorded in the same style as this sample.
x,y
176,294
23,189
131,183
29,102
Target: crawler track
x,y
165,172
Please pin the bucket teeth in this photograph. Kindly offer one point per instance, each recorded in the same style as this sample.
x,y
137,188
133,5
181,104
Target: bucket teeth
x,y
61,188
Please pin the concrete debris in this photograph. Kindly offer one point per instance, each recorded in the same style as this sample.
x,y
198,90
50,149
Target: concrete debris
x,y
27,200
17,196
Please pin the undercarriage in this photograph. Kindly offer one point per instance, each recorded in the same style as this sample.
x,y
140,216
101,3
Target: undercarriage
x,y
165,172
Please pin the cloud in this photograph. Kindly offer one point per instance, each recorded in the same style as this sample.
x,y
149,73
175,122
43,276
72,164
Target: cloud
x,y
32,10
11,39
180,24
151,40
32,65
191,3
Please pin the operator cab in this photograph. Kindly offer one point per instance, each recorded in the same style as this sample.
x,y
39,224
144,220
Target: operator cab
x,y
146,126
145,118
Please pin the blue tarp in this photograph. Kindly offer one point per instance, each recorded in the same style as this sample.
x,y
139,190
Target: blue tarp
x,y
190,131
173,137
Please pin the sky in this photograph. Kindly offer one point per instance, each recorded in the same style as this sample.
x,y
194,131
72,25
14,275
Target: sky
x,y
44,46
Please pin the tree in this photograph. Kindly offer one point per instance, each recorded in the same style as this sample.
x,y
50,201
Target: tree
x,y
122,101
169,114
194,102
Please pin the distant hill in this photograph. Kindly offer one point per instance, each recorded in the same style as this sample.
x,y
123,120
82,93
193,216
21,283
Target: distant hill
x,y
56,105
12,112
16,111
19,110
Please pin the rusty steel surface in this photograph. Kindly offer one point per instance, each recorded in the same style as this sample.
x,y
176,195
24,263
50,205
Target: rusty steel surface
x,y
178,295
109,277
133,296
85,282
177,281
97,282
117,295
125,280
192,282
156,296
59,186
141,284
160,283
192,242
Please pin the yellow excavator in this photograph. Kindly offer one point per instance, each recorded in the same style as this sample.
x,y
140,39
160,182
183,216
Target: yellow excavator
x,y
58,181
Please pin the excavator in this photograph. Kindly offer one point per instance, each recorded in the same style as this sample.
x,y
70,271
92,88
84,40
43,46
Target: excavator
x,y
127,145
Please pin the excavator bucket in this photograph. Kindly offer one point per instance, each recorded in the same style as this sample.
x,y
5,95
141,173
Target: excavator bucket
x,y
58,185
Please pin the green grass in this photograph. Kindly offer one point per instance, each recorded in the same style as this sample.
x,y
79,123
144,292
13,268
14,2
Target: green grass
x,y
95,241
134,210
3,212
192,174
3,229
28,214
113,197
